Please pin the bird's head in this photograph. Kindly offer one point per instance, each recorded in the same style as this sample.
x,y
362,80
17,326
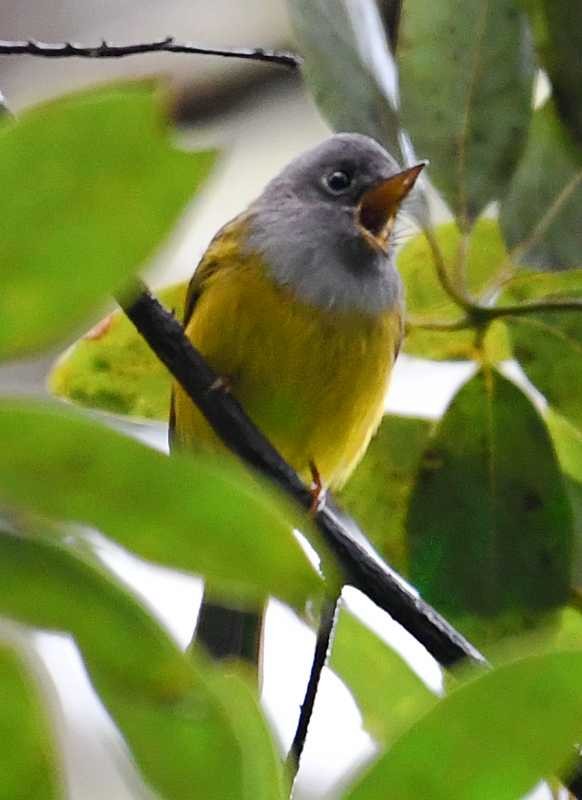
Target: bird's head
x,y
325,224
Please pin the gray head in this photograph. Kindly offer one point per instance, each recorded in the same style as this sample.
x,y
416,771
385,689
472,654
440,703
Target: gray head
x,y
324,224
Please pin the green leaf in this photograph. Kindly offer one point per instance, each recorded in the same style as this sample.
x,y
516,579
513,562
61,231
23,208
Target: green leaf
x,y
114,370
196,513
558,34
377,494
263,776
90,187
489,520
348,68
548,345
427,301
389,694
166,705
466,74
527,285
568,443
494,737
46,585
540,215
28,762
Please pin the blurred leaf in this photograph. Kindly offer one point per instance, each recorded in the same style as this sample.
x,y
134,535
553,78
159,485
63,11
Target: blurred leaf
x,y
195,513
575,494
466,74
568,443
264,779
377,494
526,285
27,759
213,742
557,26
489,520
541,213
90,187
348,67
166,706
494,737
426,300
389,694
46,585
549,345
116,371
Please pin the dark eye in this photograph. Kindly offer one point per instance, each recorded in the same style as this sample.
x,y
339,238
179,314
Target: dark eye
x,y
337,182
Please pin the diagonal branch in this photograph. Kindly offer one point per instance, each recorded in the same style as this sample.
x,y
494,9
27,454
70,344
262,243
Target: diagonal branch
x,y
362,567
31,47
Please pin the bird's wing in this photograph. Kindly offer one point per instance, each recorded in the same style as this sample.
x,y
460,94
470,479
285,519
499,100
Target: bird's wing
x,y
207,266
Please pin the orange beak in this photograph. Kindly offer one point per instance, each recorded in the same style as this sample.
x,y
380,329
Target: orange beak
x,y
379,205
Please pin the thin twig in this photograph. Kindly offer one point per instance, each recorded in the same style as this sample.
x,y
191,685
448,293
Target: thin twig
x,y
361,566
322,646
414,323
477,314
104,49
461,298
537,307
546,220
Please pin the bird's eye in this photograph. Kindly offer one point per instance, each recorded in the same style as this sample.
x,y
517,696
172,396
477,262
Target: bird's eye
x,y
337,182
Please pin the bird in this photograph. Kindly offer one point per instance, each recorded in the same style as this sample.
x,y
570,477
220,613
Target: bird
x,y
298,306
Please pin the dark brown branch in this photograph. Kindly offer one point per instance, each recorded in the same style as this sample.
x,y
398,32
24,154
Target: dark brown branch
x,y
322,645
167,45
361,566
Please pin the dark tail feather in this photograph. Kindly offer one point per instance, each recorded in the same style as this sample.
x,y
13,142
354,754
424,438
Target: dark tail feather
x,y
229,632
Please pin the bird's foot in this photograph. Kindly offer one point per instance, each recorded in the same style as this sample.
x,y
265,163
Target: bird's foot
x,y
100,329
317,490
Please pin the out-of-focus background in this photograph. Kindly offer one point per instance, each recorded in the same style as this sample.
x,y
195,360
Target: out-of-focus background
x,y
260,116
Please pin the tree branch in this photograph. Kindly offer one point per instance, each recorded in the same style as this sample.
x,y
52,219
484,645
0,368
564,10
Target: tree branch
x,y
31,47
322,645
537,307
362,567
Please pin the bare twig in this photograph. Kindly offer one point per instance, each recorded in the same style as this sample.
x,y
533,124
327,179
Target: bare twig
x,y
104,49
537,307
455,293
417,323
322,646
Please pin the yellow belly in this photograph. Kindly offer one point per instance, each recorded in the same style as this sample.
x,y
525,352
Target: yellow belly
x,y
313,381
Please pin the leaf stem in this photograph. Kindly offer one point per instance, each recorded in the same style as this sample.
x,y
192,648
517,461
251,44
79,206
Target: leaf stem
x,y
439,325
477,315
534,307
457,294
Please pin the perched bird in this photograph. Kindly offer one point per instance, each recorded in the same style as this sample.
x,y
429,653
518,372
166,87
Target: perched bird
x,y
298,305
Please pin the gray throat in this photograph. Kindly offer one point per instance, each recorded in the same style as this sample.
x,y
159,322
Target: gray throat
x,y
329,268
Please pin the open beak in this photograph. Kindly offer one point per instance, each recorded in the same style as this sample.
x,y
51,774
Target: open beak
x,y
379,205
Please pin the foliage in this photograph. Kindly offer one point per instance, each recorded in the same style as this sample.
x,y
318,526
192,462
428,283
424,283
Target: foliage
x,y
483,510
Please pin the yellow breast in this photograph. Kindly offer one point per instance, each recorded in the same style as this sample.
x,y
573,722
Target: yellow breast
x,y
313,380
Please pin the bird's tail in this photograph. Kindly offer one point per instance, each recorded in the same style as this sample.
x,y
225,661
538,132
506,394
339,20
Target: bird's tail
x,y
229,632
